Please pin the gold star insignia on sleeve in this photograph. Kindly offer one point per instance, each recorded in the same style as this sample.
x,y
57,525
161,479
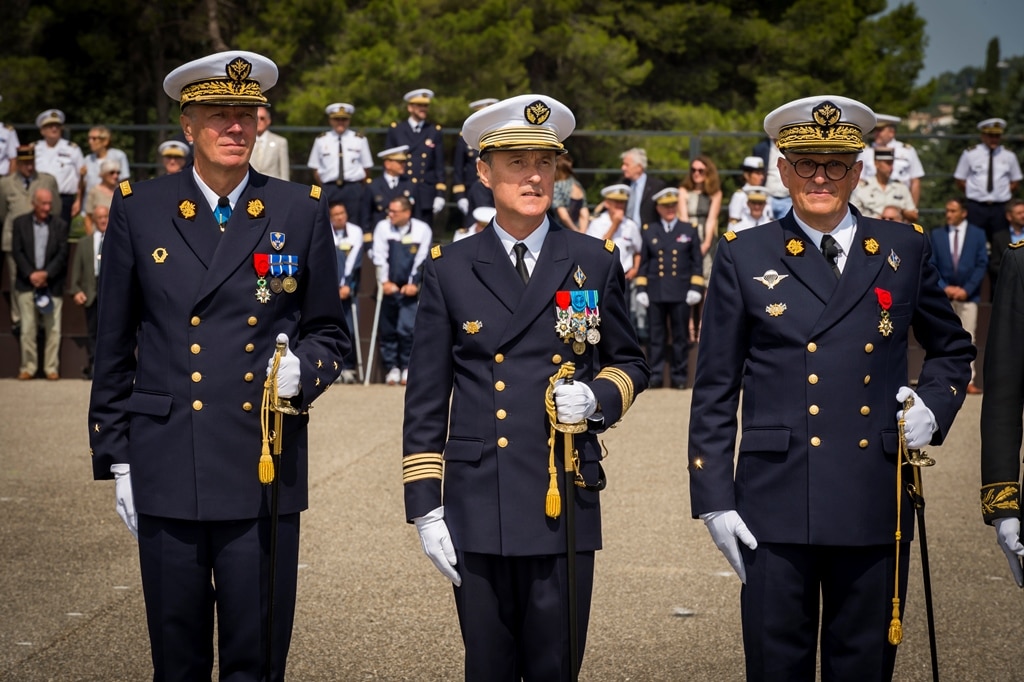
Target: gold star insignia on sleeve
x,y
319,364
698,463
96,427
335,365
317,381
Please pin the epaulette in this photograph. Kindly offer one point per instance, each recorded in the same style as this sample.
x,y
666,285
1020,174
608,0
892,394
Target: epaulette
x,y
609,245
1016,245
730,235
435,251
918,229
314,192
126,188
358,134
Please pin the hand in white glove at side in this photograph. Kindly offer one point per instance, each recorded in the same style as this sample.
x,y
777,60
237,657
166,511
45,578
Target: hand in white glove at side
x,y
437,543
1008,539
123,497
289,371
438,204
920,421
463,205
573,402
693,297
728,530
642,299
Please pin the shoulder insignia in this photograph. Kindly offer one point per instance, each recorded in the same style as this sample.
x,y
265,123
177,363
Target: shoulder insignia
x,y
730,235
918,228
609,245
435,251
323,133
8,126
358,134
1016,245
368,237
126,188
314,192
72,144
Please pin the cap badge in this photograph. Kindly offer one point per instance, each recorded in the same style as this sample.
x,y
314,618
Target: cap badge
x,y
827,114
775,309
770,278
472,326
894,260
537,113
795,247
871,246
254,208
277,240
187,210
237,71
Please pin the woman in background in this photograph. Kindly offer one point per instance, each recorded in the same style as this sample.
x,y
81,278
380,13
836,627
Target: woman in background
x,y
570,201
700,198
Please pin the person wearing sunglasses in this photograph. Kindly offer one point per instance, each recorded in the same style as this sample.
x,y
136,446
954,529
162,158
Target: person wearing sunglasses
x,y
102,194
100,151
809,317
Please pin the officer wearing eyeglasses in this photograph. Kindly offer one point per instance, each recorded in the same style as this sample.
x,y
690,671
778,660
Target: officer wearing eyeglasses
x,y
808,318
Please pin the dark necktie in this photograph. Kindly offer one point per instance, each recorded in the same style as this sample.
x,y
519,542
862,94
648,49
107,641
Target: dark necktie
x,y
222,212
520,249
956,248
831,251
418,128
989,185
27,181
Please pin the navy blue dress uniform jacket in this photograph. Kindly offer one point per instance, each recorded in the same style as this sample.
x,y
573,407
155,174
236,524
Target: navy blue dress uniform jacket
x,y
489,345
817,453
185,413
671,263
380,196
425,166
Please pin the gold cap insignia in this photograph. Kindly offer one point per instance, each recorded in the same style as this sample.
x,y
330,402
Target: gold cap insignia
x,y
871,246
255,208
775,309
537,113
472,326
187,210
160,254
126,188
237,71
795,247
827,114
770,278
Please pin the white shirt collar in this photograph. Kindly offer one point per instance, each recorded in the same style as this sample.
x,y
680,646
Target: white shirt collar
x,y
534,241
212,197
843,233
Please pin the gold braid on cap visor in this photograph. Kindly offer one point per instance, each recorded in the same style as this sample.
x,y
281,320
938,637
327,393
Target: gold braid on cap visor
x,y
525,138
811,138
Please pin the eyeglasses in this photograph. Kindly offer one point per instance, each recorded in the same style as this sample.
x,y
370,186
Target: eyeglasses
x,y
97,137
806,169
695,171
112,173
398,210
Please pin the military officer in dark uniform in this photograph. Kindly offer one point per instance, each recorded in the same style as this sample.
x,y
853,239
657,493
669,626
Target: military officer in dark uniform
x,y
425,166
1001,409
497,320
669,283
464,179
809,317
393,182
187,323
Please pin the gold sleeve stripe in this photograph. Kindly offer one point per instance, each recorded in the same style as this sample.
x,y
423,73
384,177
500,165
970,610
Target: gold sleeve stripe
x,y
642,281
422,458
440,187
457,189
698,280
622,382
1000,497
412,477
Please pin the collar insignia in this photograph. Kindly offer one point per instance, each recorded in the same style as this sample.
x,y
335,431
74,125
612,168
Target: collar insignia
x,y
795,247
893,260
770,278
255,209
277,240
187,210
871,246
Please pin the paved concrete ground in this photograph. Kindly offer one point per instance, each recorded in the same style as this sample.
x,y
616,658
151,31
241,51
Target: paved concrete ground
x,y
372,607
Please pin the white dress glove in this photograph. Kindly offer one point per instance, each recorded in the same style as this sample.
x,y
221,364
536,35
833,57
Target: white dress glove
x,y
692,297
728,530
463,205
1008,539
289,371
574,402
642,299
437,543
438,204
123,497
920,421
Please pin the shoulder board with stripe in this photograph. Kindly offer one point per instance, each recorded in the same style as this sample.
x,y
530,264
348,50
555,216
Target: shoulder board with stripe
x,y
126,188
435,251
918,228
730,235
314,192
609,245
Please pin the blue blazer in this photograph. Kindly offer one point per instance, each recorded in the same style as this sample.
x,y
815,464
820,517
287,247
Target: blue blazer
x,y
484,349
973,263
183,343
818,379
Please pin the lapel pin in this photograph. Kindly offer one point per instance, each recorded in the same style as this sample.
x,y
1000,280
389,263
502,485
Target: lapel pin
x,y
893,261
871,246
472,326
770,278
187,210
160,255
277,240
775,309
255,208
795,247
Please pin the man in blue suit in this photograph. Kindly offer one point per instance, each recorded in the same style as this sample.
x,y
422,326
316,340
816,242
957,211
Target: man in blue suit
x,y
960,255
808,319
500,312
425,164
203,271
